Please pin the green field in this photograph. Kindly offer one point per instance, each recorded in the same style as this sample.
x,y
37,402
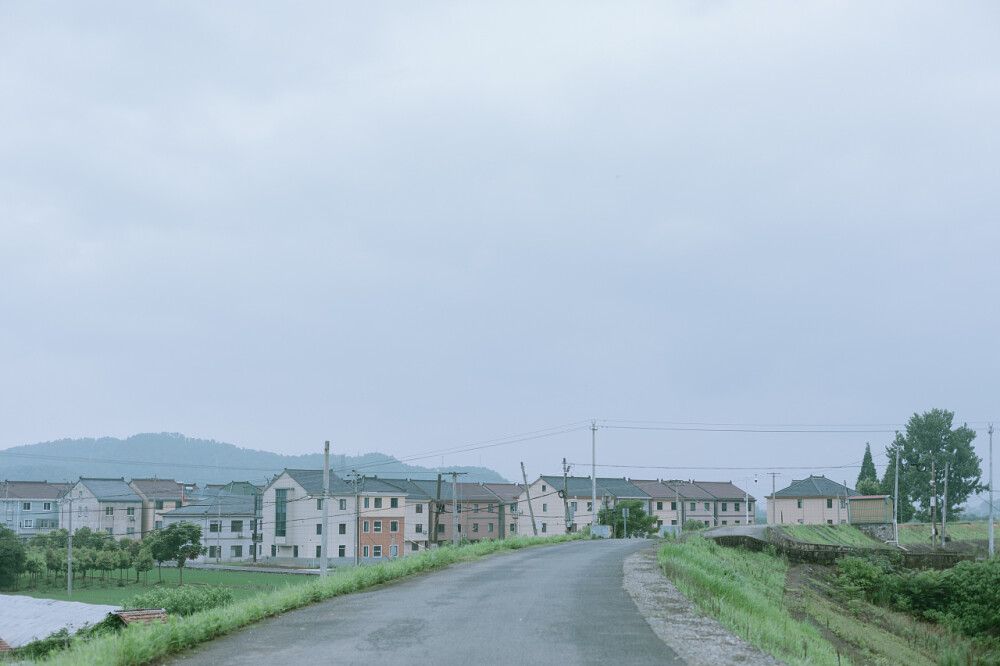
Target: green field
x,y
920,534
110,592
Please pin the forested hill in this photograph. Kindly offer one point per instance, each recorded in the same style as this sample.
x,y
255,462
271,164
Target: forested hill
x,y
172,455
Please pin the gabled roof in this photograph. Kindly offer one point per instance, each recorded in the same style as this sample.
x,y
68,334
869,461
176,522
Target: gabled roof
x,y
111,490
581,486
724,490
159,489
242,488
311,481
653,488
430,489
688,490
815,486
29,490
408,488
507,492
212,506
374,485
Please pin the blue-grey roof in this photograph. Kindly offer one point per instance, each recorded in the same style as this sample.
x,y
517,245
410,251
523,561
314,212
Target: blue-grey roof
x,y
815,486
581,486
223,503
312,481
111,490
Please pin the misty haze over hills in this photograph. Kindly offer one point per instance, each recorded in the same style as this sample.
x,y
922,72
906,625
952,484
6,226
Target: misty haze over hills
x,y
186,459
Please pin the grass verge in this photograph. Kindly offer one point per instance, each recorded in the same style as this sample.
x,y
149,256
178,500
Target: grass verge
x,y
744,591
834,535
140,644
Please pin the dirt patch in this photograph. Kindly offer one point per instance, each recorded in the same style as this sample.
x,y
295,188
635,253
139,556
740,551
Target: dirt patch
x,y
698,639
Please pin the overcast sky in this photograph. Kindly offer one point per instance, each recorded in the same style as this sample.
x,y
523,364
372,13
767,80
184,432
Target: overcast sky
x,y
409,227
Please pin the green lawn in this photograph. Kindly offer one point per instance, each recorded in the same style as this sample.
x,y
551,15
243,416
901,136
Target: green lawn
x,y
95,591
920,534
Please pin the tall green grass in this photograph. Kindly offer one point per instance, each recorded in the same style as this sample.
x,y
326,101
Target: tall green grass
x,y
834,535
744,591
140,644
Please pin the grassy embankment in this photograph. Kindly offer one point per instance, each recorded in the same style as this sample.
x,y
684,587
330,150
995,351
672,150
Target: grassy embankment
x,y
797,617
112,592
140,644
964,536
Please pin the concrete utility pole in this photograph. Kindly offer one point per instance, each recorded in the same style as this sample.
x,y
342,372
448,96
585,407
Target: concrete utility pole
x,y
933,506
527,491
454,507
944,507
569,521
218,535
437,511
357,522
772,509
991,489
593,476
679,509
326,510
895,499
69,553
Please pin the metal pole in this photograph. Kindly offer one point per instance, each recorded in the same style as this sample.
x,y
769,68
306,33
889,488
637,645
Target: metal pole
x,y
678,509
895,516
933,506
991,490
357,521
326,510
566,495
218,535
944,508
527,492
746,503
593,476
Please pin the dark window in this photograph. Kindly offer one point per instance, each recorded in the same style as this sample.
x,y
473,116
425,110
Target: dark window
x,y
393,502
236,526
274,550
159,504
659,506
295,551
319,551
319,528
420,508
280,511
440,528
342,528
341,551
829,503
378,502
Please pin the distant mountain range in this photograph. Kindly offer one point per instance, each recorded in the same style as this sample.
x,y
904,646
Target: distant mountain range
x,y
201,461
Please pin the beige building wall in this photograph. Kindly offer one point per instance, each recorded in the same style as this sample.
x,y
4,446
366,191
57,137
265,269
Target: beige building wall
x,y
550,512
807,511
304,513
123,520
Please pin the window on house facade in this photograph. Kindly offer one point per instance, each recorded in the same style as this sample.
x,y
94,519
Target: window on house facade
x,y
440,528
319,504
236,551
459,507
213,526
512,527
236,526
798,504
659,506
393,502
458,526
489,527
364,526
829,521
158,504
378,502
377,526
843,504
513,508
673,506
159,524
736,506
393,550
475,508
178,504
274,550
319,528
707,524
475,527
295,551
725,506
341,551
367,500
211,551
725,522
572,505
393,525
364,551
342,528
109,511
343,505
545,527
545,507
673,522
692,506
46,506
420,508
319,551
489,508
736,522
376,551
110,531
280,511
829,503
590,507
543,488
419,528
130,511
708,506
414,547
29,522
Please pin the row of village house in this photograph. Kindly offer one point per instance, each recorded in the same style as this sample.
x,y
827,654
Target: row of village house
x,y
381,517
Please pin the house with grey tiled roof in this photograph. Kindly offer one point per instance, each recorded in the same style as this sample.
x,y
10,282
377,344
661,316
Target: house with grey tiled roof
x,y
158,497
30,507
565,504
110,506
810,501
227,525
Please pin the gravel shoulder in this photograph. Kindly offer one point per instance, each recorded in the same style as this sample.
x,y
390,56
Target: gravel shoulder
x,y
698,639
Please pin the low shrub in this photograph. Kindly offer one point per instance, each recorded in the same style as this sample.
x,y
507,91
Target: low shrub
x,y
182,600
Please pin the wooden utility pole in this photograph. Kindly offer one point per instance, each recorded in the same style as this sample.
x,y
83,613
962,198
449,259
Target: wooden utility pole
x,y
527,491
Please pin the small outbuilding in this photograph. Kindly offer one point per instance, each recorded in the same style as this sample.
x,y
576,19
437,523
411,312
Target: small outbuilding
x,y
871,509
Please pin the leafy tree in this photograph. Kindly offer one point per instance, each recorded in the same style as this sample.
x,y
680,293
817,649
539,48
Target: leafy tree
x,y
869,487
692,525
178,542
868,471
34,565
55,560
106,562
931,437
639,523
13,557
143,563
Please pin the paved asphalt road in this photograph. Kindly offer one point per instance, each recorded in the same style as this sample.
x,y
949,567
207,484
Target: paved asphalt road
x,y
561,604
